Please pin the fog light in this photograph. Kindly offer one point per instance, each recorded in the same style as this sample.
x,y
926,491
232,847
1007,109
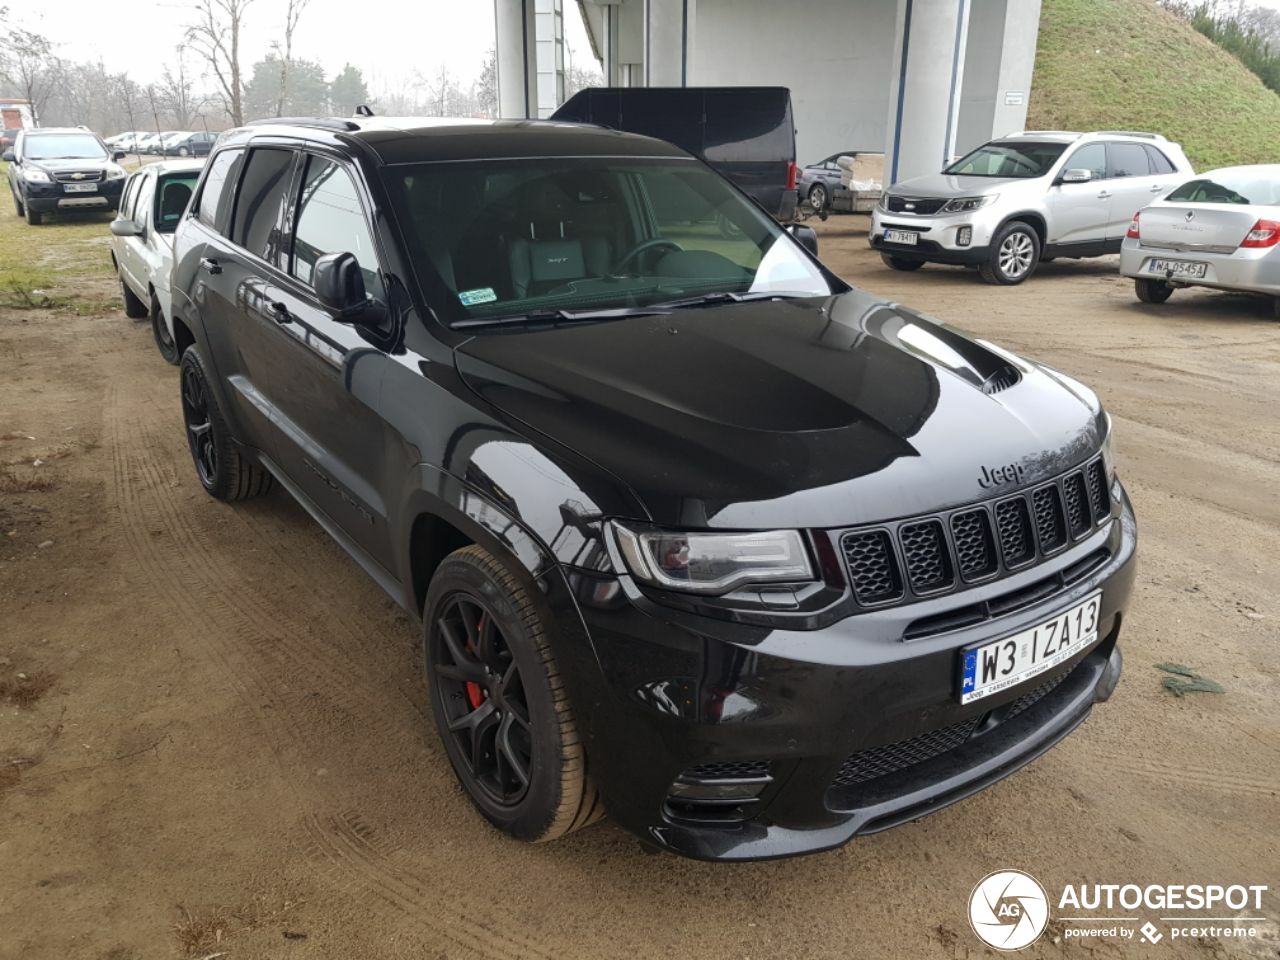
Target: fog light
x,y
964,236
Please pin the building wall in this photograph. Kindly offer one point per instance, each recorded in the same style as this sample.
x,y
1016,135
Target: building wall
x,y
835,57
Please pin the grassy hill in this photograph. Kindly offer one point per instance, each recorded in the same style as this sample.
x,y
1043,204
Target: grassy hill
x,y
1130,65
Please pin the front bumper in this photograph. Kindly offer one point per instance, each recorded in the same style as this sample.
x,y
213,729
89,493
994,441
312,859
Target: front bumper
x,y
939,235
51,197
674,691
1255,270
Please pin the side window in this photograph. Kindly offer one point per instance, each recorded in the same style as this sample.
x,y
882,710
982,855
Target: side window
x,y
1092,157
1128,160
219,185
142,199
126,198
1159,162
258,202
331,220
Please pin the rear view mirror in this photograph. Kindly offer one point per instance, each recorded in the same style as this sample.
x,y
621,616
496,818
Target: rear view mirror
x,y
125,228
1077,175
805,236
340,285
8,156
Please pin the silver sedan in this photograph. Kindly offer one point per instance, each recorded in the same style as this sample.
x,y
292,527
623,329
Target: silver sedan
x,y
1221,229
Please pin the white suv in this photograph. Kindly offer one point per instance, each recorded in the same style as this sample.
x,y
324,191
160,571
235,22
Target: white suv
x,y
1024,198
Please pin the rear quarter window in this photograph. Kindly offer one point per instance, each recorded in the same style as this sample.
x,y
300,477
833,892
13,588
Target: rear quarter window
x,y
1159,162
214,206
1128,160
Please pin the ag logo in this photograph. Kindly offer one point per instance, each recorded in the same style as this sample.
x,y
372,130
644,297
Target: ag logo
x,y
1008,910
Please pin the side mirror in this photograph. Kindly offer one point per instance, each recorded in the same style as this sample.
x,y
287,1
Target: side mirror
x,y
1076,175
340,285
117,155
8,157
805,236
125,228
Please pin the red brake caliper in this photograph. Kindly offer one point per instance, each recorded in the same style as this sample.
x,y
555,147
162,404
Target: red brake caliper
x,y
475,692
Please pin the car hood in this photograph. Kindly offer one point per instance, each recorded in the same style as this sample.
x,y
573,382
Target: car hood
x,y
70,164
950,185
801,413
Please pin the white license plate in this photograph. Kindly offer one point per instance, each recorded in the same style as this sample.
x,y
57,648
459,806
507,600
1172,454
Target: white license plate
x,y
80,187
1177,268
988,668
901,236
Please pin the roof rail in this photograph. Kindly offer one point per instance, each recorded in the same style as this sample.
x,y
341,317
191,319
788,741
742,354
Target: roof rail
x,y
1129,133
1043,133
325,123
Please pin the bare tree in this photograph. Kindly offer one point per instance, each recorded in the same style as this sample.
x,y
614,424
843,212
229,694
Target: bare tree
x,y
153,103
177,92
215,36
127,94
291,16
30,65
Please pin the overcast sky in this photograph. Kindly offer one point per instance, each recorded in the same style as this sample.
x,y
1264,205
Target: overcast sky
x,y
386,39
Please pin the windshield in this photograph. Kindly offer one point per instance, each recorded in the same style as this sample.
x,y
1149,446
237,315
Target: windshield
x,y
171,199
506,238
1006,158
1232,186
63,146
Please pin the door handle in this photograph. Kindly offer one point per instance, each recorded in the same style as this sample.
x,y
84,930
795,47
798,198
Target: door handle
x,y
280,311
1105,195
1157,188
211,265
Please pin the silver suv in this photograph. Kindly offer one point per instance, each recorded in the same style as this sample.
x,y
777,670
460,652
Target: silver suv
x,y
1024,198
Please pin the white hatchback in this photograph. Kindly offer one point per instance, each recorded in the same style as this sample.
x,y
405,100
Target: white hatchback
x,y
153,202
1221,229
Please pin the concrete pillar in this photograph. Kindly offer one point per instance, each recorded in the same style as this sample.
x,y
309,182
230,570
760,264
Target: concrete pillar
x,y
924,99
668,42
550,60
999,58
516,33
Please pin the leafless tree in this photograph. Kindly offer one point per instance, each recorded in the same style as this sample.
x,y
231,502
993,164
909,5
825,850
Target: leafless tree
x,y
292,14
30,64
154,103
215,36
127,95
177,92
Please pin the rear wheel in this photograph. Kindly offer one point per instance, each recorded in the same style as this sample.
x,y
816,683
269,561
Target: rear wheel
x,y
499,700
1152,291
901,263
224,472
1015,251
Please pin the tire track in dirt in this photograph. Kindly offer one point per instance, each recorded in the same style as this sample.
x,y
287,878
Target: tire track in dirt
x,y
1192,774
268,666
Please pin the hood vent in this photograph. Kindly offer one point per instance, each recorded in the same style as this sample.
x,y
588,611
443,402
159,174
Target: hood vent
x,y
1003,378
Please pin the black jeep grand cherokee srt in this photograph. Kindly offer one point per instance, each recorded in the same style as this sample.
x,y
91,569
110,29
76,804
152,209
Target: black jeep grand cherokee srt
x,y
697,533
53,169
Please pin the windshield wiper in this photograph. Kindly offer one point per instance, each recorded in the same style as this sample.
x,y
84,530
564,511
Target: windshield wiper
x,y
728,296
534,317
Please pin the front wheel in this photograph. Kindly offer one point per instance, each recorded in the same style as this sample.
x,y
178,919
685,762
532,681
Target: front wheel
x,y
818,197
900,263
134,308
1015,251
17,206
499,701
1152,291
223,470
34,217
184,152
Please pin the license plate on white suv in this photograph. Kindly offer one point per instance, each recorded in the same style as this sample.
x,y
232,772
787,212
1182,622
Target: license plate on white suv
x,y
1193,269
988,668
901,236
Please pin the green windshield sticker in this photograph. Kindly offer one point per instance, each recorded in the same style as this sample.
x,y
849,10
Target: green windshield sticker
x,y
478,295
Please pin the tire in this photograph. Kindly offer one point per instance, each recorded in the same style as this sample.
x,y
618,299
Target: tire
x,y
503,715
222,469
818,197
134,308
18,207
34,217
1275,307
160,331
1015,252
184,152
1152,291
906,264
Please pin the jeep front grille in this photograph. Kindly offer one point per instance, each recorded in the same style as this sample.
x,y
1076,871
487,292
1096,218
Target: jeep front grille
x,y
922,556
919,206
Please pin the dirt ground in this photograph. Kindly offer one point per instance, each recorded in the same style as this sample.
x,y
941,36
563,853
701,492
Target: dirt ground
x,y
214,740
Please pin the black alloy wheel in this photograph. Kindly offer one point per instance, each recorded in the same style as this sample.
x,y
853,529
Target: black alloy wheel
x,y
480,689
195,414
224,471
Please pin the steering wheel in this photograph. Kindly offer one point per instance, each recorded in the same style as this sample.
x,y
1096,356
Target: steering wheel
x,y
644,247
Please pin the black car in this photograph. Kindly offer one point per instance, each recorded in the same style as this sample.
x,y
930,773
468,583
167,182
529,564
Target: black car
x,y
745,133
189,145
62,168
697,533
